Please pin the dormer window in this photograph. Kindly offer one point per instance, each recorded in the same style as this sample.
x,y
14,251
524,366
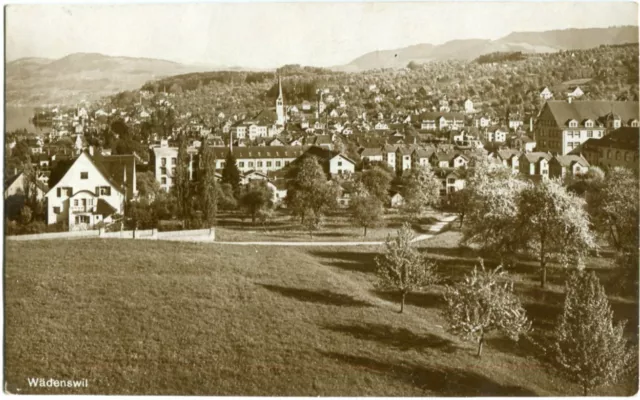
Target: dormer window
x,y
588,124
634,123
573,124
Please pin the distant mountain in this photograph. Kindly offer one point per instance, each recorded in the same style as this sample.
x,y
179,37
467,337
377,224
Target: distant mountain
x,y
82,76
469,49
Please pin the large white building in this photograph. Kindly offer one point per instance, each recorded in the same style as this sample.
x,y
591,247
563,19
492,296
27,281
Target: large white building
x,y
259,158
165,159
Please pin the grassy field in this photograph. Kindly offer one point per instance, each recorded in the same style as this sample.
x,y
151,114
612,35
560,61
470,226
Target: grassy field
x,y
337,227
137,317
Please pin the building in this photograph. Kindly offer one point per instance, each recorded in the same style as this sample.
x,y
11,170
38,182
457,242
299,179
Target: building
x,y
164,160
403,159
569,165
389,155
468,106
15,186
496,134
421,156
617,149
92,190
546,94
432,121
259,158
575,92
535,164
280,117
452,180
509,158
563,126
332,162
371,154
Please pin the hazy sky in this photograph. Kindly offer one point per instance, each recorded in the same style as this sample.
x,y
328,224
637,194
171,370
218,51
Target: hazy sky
x,y
262,35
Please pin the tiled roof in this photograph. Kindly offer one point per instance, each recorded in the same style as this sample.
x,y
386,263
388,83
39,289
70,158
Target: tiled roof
x,y
506,154
625,138
261,152
371,152
536,156
567,160
563,111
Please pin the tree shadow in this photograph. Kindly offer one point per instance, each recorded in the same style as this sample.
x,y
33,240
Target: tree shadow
x,y
418,299
350,261
443,381
400,338
317,296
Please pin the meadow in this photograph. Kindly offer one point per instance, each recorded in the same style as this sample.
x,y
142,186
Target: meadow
x,y
167,318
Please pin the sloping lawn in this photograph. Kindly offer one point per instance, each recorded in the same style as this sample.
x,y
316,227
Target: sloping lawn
x,y
137,317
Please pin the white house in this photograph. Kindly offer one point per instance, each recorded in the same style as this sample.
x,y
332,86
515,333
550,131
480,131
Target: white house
x,y
92,190
546,94
468,106
341,165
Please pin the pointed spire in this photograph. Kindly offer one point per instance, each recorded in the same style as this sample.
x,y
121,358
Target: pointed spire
x,y
279,87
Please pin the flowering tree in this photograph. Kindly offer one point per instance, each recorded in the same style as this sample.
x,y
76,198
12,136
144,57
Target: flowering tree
x,y
588,348
402,268
553,223
485,302
492,208
421,189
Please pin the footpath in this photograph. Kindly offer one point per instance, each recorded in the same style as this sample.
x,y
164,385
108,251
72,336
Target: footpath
x,y
433,230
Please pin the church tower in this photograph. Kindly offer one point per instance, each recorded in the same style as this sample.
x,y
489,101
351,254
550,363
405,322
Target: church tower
x,y
280,105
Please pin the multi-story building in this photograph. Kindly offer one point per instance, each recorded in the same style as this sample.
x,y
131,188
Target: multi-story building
x,y
569,165
442,121
259,158
563,126
92,190
617,149
165,160
535,164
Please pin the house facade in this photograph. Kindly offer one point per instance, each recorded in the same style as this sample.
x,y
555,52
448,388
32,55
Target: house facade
x,y
90,192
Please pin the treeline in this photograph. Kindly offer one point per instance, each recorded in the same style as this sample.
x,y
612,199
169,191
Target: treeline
x,y
500,56
198,79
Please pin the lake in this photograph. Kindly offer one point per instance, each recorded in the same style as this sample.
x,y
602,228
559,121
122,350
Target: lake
x,y
18,118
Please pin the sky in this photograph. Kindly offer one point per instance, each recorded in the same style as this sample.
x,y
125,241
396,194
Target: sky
x,y
265,35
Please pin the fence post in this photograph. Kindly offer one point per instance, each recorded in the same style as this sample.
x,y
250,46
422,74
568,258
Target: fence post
x,y
100,232
154,233
212,234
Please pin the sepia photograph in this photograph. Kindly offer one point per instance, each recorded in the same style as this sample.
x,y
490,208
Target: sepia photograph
x,y
316,198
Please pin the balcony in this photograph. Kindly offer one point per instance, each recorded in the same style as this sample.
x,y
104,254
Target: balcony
x,y
81,209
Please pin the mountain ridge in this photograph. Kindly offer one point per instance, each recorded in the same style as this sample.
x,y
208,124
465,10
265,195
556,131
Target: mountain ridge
x,y
469,49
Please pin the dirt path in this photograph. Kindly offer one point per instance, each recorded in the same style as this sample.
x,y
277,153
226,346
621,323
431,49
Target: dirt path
x,y
433,230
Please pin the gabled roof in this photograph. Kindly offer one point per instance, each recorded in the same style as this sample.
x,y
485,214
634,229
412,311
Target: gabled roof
x,y
595,110
625,138
506,154
423,153
536,156
371,152
105,209
568,160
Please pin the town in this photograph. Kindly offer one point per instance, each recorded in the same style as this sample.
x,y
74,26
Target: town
x,y
446,228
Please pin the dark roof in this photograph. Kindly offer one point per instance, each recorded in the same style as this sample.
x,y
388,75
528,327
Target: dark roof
x,y
536,156
105,209
114,167
506,154
567,160
437,115
260,152
622,138
563,111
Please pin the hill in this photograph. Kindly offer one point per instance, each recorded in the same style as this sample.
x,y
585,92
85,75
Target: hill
x,y
81,76
193,319
469,49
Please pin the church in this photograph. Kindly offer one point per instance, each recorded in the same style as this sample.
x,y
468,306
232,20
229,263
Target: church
x,y
267,123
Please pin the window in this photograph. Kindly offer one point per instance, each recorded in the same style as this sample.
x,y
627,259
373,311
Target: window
x,y
69,191
259,163
268,163
75,202
221,164
573,124
174,161
339,163
173,171
163,161
250,164
589,134
589,124
278,163
163,170
90,202
56,210
634,123
451,181
617,155
241,164
59,191
84,175
105,190
163,180
286,162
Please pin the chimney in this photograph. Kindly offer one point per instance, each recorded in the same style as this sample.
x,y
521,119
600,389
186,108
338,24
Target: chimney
x,y
91,151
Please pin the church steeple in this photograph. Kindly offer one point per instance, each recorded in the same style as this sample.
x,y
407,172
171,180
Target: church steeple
x,y
280,105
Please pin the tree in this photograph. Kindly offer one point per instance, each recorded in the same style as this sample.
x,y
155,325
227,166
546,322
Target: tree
x,y
402,268
493,194
366,211
484,302
588,348
148,186
614,208
181,182
208,186
256,197
377,182
459,203
421,189
230,172
25,215
553,224
225,197
309,193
